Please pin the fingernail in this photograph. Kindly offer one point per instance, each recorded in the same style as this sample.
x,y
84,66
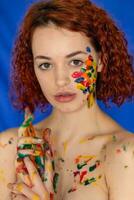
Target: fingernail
x,y
26,158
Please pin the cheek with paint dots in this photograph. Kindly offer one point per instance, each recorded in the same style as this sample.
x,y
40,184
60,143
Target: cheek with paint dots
x,y
86,78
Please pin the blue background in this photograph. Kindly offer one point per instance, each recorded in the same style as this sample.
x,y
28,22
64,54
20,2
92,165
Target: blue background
x,y
11,14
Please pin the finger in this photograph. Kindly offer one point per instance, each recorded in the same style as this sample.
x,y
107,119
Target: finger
x,y
17,197
35,178
25,190
22,173
48,175
25,152
29,140
46,134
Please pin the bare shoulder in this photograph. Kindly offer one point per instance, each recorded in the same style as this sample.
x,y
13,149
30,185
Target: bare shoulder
x,y
120,139
8,142
8,138
119,162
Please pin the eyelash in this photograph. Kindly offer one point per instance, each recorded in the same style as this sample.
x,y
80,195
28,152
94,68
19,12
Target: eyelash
x,y
71,61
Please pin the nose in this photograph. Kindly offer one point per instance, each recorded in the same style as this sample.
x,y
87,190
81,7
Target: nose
x,y
62,77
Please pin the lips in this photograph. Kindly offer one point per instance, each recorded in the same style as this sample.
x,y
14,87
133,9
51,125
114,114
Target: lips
x,y
65,97
64,94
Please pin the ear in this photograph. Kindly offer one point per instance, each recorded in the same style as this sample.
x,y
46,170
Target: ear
x,y
100,66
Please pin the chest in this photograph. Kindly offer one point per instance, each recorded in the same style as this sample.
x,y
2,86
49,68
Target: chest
x,y
80,168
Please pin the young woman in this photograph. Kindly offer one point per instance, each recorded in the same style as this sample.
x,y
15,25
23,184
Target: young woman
x,y
68,53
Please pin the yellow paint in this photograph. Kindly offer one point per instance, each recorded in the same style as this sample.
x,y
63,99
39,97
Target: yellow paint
x,y
28,140
2,145
35,197
25,178
2,177
65,144
90,100
84,157
33,175
80,86
49,166
19,187
37,153
85,139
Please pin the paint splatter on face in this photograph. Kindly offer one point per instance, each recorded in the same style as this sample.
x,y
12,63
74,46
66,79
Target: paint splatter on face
x,y
86,78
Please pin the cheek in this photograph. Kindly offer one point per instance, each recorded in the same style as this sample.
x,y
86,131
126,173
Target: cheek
x,y
85,78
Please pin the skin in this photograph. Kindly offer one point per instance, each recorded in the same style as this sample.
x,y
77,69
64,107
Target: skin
x,y
77,130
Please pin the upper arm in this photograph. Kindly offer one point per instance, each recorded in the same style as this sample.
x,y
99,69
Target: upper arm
x,y
119,170
7,156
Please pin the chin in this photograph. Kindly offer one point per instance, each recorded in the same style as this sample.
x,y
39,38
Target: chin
x,y
70,108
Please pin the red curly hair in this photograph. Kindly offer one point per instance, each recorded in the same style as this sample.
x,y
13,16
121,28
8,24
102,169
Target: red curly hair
x,y
115,82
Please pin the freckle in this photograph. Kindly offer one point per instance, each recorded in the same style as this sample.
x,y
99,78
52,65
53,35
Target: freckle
x,y
126,166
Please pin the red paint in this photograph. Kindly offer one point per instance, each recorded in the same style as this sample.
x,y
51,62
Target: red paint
x,y
83,173
77,74
76,173
118,151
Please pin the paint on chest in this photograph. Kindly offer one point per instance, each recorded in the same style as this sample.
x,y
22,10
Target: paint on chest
x,y
85,169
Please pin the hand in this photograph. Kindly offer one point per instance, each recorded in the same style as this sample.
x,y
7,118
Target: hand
x,y
38,190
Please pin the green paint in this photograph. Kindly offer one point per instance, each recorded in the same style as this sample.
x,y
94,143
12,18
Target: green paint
x,y
82,69
26,146
89,181
55,181
124,147
80,166
114,138
45,179
92,168
20,155
39,161
27,122
61,159
53,164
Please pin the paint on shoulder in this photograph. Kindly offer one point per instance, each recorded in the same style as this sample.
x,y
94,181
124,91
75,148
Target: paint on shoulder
x,y
8,137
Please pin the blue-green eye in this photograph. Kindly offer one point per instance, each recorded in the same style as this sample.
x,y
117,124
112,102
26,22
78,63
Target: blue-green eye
x,y
77,62
44,66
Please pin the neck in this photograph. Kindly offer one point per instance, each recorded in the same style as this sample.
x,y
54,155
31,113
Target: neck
x,y
85,121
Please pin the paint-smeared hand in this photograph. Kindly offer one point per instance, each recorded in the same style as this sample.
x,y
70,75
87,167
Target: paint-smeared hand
x,y
34,168
38,190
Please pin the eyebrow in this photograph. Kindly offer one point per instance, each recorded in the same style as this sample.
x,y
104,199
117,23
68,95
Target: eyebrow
x,y
67,56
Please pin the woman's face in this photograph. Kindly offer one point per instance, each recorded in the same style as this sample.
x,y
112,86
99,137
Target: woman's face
x,y
57,54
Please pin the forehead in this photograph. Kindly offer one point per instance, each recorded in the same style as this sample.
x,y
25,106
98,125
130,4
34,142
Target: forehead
x,y
57,40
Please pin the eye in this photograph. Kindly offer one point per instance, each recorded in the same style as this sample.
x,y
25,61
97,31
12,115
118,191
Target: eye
x,y
44,66
77,62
